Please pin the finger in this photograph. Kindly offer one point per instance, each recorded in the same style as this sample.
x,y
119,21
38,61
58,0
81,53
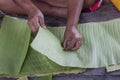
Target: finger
x,y
77,46
42,23
37,25
71,44
65,44
31,26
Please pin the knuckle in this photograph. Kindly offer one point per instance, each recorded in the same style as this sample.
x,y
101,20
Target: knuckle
x,y
42,17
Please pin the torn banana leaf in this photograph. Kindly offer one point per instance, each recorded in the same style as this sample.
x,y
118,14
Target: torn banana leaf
x,y
101,45
48,77
17,60
39,65
23,78
14,42
113,68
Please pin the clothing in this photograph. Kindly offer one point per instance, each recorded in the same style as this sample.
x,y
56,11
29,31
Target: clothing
x,y
94,7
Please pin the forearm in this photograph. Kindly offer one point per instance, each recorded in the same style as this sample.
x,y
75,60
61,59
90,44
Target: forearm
x,y
26,4
74,11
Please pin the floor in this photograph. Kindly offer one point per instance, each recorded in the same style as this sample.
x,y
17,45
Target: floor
x,y
106,12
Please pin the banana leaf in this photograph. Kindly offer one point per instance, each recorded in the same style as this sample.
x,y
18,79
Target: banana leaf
x,y
14,42
36,64
48,77
23,78
18,59
113,68
101,45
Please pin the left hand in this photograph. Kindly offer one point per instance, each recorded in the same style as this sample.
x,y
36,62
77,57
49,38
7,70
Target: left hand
x,y
72,39
36,20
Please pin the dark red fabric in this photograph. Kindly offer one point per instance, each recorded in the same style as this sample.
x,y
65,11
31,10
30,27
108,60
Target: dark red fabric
x,y
94,7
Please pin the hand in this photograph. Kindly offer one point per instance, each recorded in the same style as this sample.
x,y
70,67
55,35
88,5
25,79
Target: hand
x,y
72,39
36,20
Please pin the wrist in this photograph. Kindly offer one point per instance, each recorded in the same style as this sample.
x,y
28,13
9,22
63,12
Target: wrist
x,y
33,9
71,27
71,24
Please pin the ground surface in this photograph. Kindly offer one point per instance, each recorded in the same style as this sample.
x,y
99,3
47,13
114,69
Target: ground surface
x,y
106,12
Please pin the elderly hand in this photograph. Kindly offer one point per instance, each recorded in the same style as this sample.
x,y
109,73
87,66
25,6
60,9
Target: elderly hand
x,y
36,20
72,39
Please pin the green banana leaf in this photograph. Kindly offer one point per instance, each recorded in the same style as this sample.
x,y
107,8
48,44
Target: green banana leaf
x,y
18,59
101,45
36,64
23,78
113,68
14,42
48,77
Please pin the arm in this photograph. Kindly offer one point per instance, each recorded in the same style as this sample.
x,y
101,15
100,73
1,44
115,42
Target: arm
x,y
27,5
71,33
35,16
74,11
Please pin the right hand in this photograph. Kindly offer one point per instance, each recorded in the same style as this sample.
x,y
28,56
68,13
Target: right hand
x,y
36,20
72,39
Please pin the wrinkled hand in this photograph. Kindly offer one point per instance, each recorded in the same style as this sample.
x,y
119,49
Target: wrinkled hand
x,y
36,20
72,39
